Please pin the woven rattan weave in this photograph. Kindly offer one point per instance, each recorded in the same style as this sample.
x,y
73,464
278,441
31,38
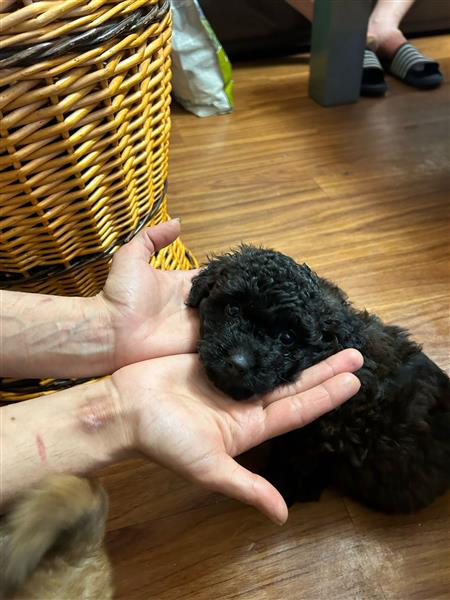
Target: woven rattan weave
x,y
84,134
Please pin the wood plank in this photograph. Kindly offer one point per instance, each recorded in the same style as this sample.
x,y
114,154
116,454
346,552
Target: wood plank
x,y
361,193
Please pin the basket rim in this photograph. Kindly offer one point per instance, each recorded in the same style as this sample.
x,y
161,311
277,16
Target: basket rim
x,y
117,28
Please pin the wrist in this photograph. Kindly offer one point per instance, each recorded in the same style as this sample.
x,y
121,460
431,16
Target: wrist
x,y
78,430
98,316
54,336
126,405
83,344
107,417
110,322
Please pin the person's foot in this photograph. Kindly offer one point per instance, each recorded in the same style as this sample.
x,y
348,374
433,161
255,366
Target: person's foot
x,y
385,42
372,82
402,60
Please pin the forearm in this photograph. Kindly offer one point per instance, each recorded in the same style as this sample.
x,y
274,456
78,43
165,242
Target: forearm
x,y
53,336
74,431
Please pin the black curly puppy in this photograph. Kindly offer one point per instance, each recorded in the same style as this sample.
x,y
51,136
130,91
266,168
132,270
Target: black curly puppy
x,y
264,318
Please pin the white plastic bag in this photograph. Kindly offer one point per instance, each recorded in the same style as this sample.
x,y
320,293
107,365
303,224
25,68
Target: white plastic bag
x,y
201,72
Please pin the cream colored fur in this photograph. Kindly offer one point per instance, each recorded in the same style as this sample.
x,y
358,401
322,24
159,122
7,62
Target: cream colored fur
x,y
52,542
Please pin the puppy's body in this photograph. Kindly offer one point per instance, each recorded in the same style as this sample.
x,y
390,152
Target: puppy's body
x,y
52,543
264,319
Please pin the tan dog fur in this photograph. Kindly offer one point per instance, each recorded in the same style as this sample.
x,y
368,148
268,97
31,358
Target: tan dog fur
x,y
51,542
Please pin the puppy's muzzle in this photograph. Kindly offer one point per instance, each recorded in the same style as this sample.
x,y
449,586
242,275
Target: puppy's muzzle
x,y
238,363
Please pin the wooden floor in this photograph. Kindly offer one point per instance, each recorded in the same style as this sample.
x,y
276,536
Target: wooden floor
x,y
361,193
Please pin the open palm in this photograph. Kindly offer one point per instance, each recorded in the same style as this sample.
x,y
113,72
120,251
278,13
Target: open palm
x,y
182,422
146,306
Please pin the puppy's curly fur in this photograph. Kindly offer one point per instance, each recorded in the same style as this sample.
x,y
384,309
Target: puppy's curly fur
x,y
51,542
265,318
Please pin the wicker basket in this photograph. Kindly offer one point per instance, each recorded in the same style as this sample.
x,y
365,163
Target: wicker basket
x,y
84,134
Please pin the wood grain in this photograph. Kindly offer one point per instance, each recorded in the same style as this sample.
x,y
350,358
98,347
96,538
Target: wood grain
x,y
361,193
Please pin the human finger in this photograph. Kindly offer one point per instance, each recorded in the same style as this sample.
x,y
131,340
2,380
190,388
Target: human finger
x,y
149,240
234,480
300,409
348,360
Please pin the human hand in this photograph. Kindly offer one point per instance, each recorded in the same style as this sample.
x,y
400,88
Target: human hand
x,y
179,420
146,306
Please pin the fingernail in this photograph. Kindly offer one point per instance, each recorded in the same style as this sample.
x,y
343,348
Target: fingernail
x,y
357,357
347,379
277,520
177,219
350,383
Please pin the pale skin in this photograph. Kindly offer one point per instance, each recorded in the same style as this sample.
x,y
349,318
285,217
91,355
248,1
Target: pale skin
x,y
140,314
383,32
163,408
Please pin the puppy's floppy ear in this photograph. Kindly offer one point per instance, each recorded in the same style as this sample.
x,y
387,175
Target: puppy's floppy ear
x,y
329,331
204,283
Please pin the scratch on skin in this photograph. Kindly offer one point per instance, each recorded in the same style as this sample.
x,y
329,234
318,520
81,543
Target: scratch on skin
x,y
41,449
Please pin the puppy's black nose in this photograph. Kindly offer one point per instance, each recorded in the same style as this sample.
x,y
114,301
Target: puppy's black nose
x,y
238,363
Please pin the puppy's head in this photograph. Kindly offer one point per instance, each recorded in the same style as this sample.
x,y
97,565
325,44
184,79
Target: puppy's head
x,y
260,320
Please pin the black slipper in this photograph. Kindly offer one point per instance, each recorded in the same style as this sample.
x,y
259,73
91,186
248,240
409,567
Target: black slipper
x,y
372,83
413,68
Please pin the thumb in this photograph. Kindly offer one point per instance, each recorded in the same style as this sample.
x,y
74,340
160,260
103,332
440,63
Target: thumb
x,y
225,475
149,240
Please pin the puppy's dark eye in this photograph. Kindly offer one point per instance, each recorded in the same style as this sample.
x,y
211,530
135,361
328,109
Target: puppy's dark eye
x,y
287,338
232,310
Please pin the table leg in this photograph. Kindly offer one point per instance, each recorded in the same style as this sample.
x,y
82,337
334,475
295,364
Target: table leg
x,y
337,46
